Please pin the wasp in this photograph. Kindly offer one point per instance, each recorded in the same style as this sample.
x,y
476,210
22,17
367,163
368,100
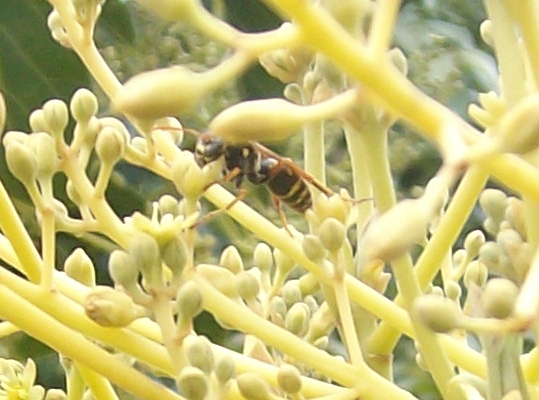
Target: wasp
x,y
254,162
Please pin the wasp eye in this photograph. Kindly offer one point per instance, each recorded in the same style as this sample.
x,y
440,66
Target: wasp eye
x,y
208,149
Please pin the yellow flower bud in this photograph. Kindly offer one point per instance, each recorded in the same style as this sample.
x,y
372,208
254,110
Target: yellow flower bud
x,y
498,298
289,379
225,368
312,247
56,116
193,383
110,307
21,162
297,319
189,179
519,127
110,145
168,204
55,394
291,292
476,273
248,286
486,32
80,267
436,312
37,121
198,352
262,257
332,234
253,387
221,278
44,149
473,242
174,254
494,203
83,105
145,253
231,260
189,300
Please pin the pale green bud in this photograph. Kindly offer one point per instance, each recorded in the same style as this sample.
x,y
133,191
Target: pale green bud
x,y
490,254
253,387
289,379
56,116
37,121
291,292
322,322
222,279
332,234
398,59
297,319
21,162
321,343
283,262
123,269
139,144
198,352
88,131
313,248
262,257
473,242
145,252
110,307
248,286
15,136
110,145
438,313
494,203
44,149
193,383
277,308
83,105
174,254
225,368
476,273
452,290
167,204
498,298
189,300
80,267
231,260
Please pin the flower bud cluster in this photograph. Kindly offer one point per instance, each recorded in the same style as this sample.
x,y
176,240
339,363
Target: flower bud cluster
x,y
205,373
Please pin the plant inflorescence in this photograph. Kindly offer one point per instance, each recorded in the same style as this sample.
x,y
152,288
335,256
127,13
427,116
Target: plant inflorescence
x,y
311,302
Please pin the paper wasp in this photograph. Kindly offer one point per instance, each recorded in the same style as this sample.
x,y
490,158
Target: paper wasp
x,y
286,181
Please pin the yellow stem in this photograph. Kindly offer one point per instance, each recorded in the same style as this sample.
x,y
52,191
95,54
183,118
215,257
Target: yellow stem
x,y
382,26
100,386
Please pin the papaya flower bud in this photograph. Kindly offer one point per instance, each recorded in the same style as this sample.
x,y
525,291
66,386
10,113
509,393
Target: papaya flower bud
x,y
438,313
58,32
167,204
79,266
494,203
248,286
56,117
191,180
174,254
21,162
55,394
110,307
332,234
193,383
473,242
83,105
198,352
312,247
514,214
253,387
231,260
145,252
291,292
276,118
476,273
487,35
519,127
498,298
15,136
37,121
289,378
262,257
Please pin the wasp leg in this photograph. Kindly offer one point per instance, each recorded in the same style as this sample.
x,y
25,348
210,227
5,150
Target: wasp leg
x,y
282,216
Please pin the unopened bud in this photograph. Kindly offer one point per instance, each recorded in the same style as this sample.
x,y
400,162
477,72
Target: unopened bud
x,y
494,203
174,254
253,387
83,105
168,205
332,234
123,269
198,352
44,149
297,319
224,369
473,242
187,176
145,252
438,313
55,394
231,260
312,247
37,121
189,300
79,266
110,145
291,292
248,286
514,214
498,298
519,127
110,307
262,257
21,162
289,379
56,116
476,273
485,30
222,279
193,383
